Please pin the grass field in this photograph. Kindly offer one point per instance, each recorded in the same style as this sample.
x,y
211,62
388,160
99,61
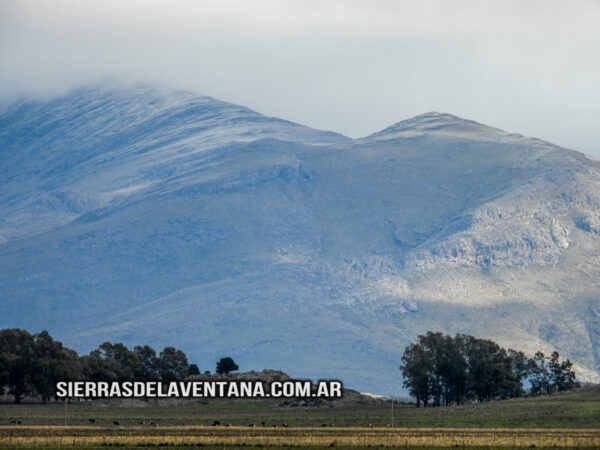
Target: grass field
x,y
302,437
562,420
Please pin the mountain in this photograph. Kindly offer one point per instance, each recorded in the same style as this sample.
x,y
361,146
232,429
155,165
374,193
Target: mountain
x,y
151,216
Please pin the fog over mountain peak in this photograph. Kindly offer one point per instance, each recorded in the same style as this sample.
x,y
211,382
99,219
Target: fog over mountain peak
x,y
147,215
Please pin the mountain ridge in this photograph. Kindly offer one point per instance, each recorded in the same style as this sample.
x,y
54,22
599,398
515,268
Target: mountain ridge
x,y
434,122
288,247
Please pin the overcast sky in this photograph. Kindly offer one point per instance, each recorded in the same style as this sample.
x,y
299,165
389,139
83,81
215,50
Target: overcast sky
x,y
531,67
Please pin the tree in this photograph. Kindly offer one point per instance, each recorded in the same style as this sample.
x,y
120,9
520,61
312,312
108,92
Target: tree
x,y
416,371
454,370
127,363
562,377
111,362
193,370
52,363
431,343
490,369
519,370
539,374
173,364
446,370
226,365
447,379
149,363
17,361
34,364
97,368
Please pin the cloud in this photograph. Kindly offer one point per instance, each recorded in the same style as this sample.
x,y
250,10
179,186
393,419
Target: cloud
x,y
349,66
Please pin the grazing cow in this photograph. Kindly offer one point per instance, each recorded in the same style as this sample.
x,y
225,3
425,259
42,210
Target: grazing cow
x,y
370,426
143,422
216,423
115,423
285,425
92,420
154,424
16,422
263,423
252,425
389,425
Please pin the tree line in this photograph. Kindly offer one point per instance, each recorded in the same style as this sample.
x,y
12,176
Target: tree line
x,y
443,370
32,364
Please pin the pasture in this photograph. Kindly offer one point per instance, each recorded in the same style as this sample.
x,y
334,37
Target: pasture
x,y
570,419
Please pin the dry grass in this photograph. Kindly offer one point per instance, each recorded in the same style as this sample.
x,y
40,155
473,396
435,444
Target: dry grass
x,y
56,436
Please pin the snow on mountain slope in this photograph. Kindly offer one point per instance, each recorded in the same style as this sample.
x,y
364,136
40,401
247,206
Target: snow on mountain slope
x,y
166,218
442,124
82,150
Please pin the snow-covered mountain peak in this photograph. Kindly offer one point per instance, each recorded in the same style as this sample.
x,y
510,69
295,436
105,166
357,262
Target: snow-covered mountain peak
x,y
444,124
129,114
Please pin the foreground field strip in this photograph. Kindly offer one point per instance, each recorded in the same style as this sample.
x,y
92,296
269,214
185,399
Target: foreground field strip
x,y
210,428
232,436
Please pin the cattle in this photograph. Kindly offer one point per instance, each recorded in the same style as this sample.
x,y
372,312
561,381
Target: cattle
x,y
92,420
116,423
216,423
